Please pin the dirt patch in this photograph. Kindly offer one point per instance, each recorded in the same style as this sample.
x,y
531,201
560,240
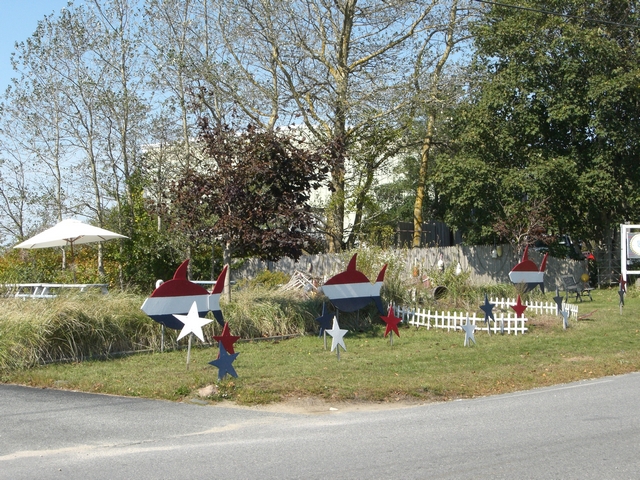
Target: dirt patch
x,y
318,406
545,322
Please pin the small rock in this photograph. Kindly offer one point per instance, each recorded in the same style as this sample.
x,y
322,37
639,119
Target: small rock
x,y
333,409
208,391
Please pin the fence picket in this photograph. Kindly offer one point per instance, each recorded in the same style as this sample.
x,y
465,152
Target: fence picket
x,y
548,308
454,321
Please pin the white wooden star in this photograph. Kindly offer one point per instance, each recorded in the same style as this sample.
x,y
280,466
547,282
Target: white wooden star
x,y
468,332
192,323
337,335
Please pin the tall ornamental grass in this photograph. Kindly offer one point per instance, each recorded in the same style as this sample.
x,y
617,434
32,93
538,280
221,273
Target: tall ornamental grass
x,y
266,312
73,327
81,326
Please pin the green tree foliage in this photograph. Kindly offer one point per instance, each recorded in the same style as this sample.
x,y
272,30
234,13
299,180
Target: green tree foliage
x,y
149,253
339,67
551,124
390,203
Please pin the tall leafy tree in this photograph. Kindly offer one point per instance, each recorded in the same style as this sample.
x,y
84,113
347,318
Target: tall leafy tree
x,y
184,47
549,129
15,199
123,108
251,196
435,86
33,132
77,110
339,67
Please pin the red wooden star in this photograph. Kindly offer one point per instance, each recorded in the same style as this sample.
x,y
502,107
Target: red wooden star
x,y
226,339
392,322
623,284
519,308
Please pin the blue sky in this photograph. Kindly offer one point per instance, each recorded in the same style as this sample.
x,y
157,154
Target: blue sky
x,y
18,20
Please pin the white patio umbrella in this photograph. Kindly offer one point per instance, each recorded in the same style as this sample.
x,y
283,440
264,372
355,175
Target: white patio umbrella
x,y
68,232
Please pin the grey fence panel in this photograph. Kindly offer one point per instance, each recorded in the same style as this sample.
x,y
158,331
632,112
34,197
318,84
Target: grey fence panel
x,y
478,260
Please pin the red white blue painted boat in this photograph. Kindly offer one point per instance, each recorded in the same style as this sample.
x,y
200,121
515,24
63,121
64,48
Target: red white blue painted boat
x,y
527,272
177,295
351,290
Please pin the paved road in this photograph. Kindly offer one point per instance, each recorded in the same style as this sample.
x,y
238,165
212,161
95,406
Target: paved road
x,y
585,430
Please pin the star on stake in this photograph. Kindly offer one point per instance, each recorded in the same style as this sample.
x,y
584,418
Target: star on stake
x,y
226,338
565,318
621,293
224,363
392,323
623,284
558,299
337,339
192,323
468,332
487,308
519,308
324,322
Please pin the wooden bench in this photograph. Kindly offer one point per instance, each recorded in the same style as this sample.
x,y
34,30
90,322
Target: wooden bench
x,y
571,287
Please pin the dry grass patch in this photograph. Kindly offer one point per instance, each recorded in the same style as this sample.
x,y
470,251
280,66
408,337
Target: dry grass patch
x,y
544,322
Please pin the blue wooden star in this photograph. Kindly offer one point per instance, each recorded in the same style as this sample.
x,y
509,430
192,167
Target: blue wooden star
x,y
487,308
558,299
325,320
224,363
621,293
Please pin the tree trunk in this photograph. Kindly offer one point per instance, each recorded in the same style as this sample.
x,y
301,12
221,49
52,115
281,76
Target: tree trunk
x,y
421,191
226,260
361,197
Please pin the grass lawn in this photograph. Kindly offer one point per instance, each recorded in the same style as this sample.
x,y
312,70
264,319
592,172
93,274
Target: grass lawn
x,y
422,365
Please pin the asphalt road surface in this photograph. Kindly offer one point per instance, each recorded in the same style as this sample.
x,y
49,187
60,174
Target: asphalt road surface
x,y
584,430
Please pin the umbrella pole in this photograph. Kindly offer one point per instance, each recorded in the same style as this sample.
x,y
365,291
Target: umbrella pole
x,y
73,263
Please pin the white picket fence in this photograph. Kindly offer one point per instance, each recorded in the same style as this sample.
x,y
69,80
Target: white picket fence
x,y
547,308
504,322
